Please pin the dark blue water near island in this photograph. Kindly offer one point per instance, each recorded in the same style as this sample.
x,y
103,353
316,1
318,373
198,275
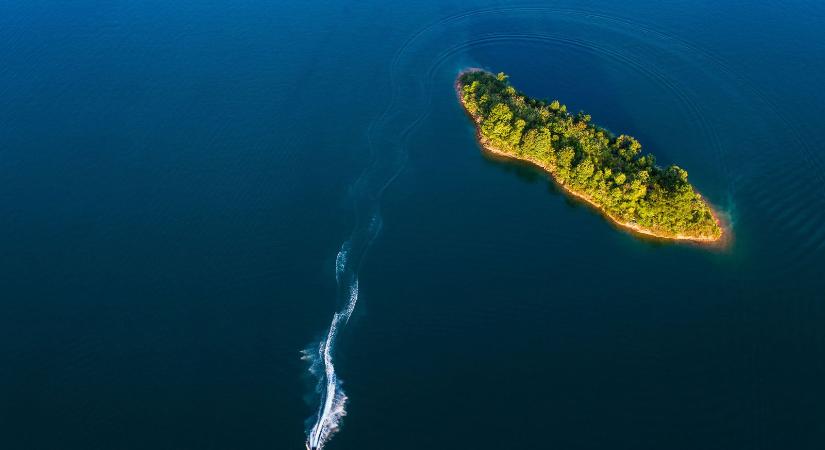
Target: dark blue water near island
x,y
178,180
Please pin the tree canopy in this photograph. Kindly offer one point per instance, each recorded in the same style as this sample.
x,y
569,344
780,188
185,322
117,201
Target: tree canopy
x,y
611,171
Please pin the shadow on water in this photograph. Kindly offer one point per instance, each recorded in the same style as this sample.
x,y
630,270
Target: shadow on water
x,y
524,171
531,174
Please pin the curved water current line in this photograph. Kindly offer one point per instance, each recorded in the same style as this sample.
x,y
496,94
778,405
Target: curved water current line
x,y
383,168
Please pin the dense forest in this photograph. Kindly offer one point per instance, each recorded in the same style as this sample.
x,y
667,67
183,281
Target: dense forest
x,y
588,160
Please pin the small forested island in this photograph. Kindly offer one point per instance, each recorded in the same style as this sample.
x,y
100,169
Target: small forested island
x,y
587,161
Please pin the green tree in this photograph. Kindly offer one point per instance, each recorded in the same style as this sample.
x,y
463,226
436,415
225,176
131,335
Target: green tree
x,y
584,170
610,170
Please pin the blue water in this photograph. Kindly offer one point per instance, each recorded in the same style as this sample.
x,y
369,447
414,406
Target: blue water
x,y
177,179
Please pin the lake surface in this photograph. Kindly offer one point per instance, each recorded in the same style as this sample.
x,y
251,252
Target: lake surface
x,y
178,179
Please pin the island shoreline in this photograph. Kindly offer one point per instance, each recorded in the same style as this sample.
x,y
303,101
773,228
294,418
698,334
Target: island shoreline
x,y
721,240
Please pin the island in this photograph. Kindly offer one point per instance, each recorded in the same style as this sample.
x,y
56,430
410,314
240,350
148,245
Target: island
x,y
588,162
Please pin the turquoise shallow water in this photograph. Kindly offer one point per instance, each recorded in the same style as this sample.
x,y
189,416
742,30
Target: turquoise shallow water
x,y
179,178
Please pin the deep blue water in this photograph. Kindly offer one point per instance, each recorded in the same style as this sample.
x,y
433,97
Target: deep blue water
x,y
176,179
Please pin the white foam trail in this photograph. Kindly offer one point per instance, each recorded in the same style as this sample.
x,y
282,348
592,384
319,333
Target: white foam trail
x,y
353,298
333,399
341,261
366,190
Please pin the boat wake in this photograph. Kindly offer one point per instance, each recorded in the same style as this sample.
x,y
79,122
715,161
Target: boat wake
x,y
387,138
320,358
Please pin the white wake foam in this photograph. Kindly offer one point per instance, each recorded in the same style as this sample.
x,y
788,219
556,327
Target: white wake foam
x,y
353,298
333,399
341,261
